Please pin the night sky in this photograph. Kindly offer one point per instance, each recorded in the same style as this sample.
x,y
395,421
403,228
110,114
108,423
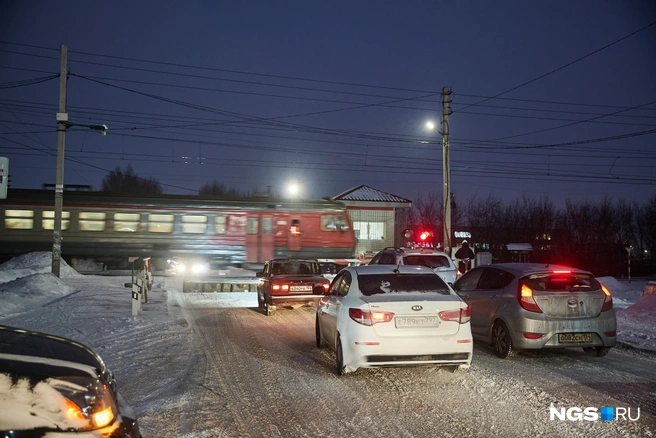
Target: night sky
x,y
550,100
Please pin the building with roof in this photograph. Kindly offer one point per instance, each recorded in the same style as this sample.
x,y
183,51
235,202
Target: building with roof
x,y
379,218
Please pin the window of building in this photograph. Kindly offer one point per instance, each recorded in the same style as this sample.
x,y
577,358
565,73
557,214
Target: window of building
x,y
194,224
19,219
160,223
126,222
220,225
48,220
251,225
369,230
92,221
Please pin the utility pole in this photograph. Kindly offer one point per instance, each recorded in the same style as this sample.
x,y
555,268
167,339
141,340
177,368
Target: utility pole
x,y
446,168
62,124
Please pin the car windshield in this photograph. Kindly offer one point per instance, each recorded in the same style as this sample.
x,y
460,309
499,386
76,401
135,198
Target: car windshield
x,y
295,267
561,282
432,261
402,284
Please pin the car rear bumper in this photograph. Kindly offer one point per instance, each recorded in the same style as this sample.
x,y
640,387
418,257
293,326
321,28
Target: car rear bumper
x,y
602,329
280,300
365,351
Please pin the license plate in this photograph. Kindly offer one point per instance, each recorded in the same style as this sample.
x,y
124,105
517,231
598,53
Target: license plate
x,y
417,321
574,337
300,288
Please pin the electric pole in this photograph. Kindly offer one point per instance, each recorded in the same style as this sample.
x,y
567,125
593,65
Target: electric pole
x,y
62,124
446,168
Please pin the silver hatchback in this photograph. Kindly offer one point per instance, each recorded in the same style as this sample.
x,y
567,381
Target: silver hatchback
x,y
517,306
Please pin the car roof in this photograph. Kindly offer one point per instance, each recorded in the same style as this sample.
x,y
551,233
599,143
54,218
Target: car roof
x,y
390,269
294,259
20,342
521,269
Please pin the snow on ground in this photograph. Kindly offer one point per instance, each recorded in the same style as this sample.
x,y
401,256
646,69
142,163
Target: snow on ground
x,y
26,282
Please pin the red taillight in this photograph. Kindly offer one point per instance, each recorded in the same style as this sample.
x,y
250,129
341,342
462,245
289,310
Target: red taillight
x,y
611,334
326,286
533,335
525,297
280,287
366,317
461,316
608,299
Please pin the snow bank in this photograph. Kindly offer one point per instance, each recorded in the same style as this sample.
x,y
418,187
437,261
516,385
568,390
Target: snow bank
x,y
35,263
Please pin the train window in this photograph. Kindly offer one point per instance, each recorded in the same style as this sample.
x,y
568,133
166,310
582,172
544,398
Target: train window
x,y
220,225
267,225
194,224
19,219
333,223
48,220
251,225
295,229
126,222
160,223
92,221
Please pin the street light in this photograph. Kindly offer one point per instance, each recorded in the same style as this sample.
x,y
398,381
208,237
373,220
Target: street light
x,y
293,189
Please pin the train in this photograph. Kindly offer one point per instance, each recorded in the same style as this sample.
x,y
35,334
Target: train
x,y
112,229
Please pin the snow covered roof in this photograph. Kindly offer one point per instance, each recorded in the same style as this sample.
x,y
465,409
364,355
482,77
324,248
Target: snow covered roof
x,y
366,193
519,247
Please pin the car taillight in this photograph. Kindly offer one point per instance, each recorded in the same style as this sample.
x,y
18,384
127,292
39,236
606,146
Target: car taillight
x,y
280,287
366,317
461,316
326,286
608,299
525,297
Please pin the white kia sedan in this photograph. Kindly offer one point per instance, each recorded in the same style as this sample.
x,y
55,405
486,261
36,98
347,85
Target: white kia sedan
x,y
390,315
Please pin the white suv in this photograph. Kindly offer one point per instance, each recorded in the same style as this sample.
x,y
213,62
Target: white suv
x,y
438,261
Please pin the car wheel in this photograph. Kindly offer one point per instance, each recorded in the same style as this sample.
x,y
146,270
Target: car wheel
x,y
317,331
339,358
501,341
596,351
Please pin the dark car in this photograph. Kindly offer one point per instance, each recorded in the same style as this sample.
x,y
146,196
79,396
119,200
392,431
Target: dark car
x,y
529,306
53,386
290,281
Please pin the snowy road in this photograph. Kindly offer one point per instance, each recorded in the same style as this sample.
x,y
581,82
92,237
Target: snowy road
x,y
212,365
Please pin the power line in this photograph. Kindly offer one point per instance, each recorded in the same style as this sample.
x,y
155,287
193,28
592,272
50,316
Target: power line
x,y
563,67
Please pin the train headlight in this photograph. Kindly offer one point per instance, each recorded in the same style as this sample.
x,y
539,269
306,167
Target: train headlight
x,y
199,267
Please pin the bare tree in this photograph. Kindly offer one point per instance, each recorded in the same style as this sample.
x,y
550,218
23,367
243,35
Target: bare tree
x,y
218,189
128,182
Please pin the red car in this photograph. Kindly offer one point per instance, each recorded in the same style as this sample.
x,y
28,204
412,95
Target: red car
x,y
289,281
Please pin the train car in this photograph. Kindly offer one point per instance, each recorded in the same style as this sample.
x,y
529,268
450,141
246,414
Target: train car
x,y
110,228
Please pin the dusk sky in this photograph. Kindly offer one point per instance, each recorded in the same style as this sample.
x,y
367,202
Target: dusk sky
x,y
550,99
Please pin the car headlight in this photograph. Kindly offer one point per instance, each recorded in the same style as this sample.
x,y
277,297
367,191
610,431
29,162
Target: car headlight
x,y
88,403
